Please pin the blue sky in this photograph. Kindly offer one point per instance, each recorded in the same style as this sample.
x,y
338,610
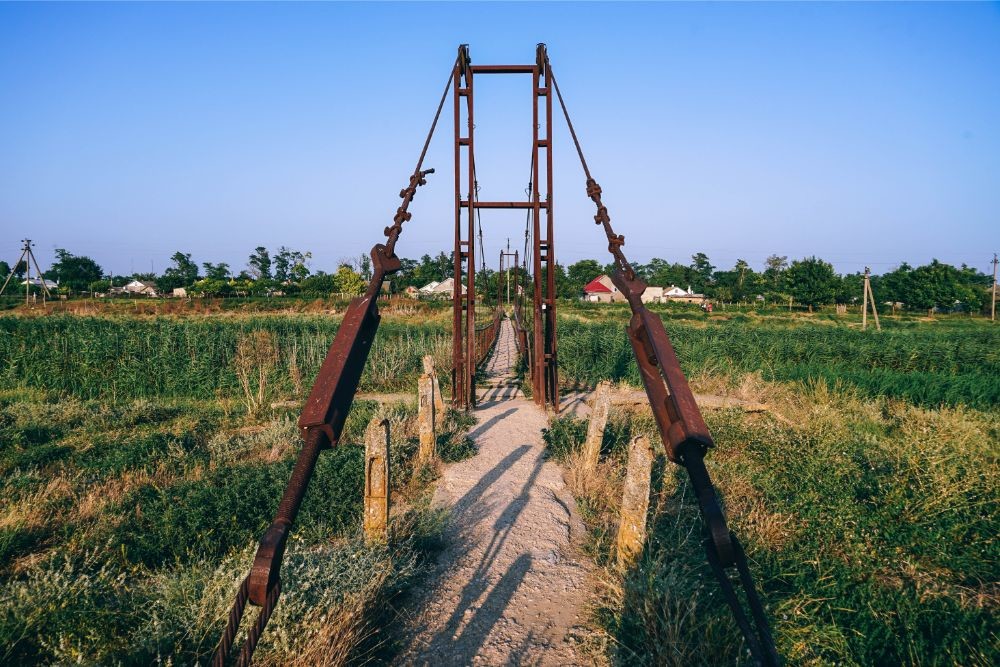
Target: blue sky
x,y
862,133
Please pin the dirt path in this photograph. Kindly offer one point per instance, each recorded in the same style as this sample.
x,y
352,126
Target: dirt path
x,y
510,586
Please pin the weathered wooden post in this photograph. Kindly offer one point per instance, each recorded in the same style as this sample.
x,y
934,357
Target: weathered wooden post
x,y
425,418
635,501
598,421
377,480
438,398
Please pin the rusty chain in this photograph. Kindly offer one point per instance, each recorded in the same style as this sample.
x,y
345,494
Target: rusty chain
x,y
322,421
682,429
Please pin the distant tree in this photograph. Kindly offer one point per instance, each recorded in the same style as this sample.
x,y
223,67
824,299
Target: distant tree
x,y
812,281
701,272
259,264
445,266
662,273
939,285
218,271
290,265
774,271
183,273
365,267
850,288
74,272
320,284
4,269
738,284
580,273
348,281
20,269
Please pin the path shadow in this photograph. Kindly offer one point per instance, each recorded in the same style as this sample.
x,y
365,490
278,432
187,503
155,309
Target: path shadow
x,y
485,426
478,628
479,582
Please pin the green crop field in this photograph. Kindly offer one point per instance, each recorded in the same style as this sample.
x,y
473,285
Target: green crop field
x,y
949,364
138,469
142,456
866,495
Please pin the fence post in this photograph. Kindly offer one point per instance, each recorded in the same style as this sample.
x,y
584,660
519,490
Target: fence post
x,y
598,420
377,480
436,388
635,501
425,418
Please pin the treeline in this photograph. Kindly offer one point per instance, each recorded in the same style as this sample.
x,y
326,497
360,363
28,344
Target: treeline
x,y
810,281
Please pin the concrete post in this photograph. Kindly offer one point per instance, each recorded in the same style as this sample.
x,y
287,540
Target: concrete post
x,y
598,420
438,398
635,501
425,418
376,518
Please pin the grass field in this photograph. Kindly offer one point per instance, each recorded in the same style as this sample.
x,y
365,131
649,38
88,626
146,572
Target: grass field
x,y
955,362
127,358
871,526
867,496
142,458
143,454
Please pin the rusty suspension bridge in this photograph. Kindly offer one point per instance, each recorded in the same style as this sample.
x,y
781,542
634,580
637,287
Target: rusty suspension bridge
x,y
683,432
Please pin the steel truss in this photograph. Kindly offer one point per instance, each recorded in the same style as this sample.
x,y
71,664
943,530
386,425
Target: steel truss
x,y
542,362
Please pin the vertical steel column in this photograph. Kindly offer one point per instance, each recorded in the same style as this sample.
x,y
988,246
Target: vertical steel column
x,y
538,337
460,362
544,377
551,376
470,288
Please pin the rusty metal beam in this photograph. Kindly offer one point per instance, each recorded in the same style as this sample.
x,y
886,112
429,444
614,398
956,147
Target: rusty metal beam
x,y
503,204
502,69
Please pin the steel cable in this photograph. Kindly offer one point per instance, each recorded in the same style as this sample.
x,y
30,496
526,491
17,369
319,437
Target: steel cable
x,y
761,643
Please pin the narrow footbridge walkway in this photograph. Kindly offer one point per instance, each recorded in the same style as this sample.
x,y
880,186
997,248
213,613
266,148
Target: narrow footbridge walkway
x,y
510,586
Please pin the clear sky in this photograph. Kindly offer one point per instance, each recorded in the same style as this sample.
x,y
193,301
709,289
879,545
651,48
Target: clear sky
x,y
862,133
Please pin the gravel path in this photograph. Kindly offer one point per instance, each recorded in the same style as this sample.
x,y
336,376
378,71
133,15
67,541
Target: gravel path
x,y
510,587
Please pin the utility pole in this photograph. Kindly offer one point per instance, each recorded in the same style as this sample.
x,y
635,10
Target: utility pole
x,y
993,296
28,256
864,307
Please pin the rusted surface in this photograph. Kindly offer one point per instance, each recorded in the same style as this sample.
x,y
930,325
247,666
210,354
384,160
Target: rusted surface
x,y
682,430
322,421
468,344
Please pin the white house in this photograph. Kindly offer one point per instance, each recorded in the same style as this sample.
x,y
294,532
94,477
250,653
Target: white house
x,y
439,289
37,282
142,288
674,293
602,290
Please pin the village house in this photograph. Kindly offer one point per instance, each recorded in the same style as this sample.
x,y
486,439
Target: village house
x,y
37,282
142,288
676,294
438,290
602,290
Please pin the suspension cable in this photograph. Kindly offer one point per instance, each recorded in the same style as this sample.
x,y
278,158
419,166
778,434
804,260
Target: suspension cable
x,y
417,179
321,422
682,429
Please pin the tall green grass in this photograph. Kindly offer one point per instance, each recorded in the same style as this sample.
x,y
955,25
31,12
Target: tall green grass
x,y
126,358
870,530
127,525
921,364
